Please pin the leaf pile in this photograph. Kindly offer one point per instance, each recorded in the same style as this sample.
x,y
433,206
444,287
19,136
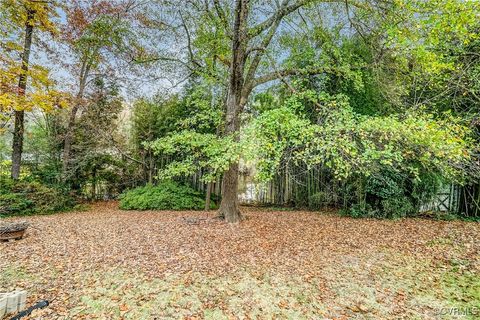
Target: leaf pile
x,y
107,263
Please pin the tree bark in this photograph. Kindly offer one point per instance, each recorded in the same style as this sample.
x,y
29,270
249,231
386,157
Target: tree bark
x,y
17,145
67,143
229,205
229,209
208,196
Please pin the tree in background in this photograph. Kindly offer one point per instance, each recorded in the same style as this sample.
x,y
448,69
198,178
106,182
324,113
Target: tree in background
x,y
152,119
99,34
96,159
444,68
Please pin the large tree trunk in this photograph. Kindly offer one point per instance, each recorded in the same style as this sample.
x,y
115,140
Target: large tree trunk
x,y
229,205
17,145
229,209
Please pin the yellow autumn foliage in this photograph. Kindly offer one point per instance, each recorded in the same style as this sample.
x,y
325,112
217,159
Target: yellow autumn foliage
x,y
41,92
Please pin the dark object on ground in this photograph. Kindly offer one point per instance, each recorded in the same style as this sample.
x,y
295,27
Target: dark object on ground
x,y
13,230
39,305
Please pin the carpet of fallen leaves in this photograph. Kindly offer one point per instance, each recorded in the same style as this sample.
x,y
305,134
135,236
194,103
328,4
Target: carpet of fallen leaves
x,y
105,263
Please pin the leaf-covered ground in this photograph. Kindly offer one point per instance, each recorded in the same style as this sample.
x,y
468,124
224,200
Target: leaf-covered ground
x,y
112,264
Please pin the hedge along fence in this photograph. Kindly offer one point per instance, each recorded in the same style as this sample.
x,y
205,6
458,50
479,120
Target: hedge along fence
x,y
315,188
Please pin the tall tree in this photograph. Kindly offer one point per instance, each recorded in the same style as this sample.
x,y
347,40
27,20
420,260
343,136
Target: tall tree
x,y
249,66
244,41
29,15
97,32
17,146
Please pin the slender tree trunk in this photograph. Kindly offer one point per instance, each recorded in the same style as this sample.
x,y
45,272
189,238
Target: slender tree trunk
x,y
150,168
208,196
94,184
17,145
67,144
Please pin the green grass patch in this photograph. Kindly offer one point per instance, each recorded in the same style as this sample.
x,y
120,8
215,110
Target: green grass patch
x,y
11,276
245,294
462,289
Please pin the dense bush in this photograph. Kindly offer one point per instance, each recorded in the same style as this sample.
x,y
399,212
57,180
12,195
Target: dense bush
x,y
24,198
167,195
391,194
322,199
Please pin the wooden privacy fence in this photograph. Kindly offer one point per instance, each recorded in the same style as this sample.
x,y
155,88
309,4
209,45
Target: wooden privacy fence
x,y
297,186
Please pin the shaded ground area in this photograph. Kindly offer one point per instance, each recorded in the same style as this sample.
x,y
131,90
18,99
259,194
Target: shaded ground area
x,y
112,264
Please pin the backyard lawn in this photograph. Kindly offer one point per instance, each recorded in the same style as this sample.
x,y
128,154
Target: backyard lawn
x,y
105,263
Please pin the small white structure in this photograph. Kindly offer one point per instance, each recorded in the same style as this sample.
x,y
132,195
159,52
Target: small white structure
x,y
12,302
3,305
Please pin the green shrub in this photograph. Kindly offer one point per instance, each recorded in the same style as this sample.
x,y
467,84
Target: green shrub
x,y
397,207
360,211
167,195
15,204
321,200
390,194
25,198
382,195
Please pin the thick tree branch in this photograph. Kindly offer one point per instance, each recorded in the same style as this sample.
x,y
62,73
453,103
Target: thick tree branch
x,y
259,53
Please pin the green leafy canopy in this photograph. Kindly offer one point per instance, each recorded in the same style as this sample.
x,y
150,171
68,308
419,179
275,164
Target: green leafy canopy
x,y
341,140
